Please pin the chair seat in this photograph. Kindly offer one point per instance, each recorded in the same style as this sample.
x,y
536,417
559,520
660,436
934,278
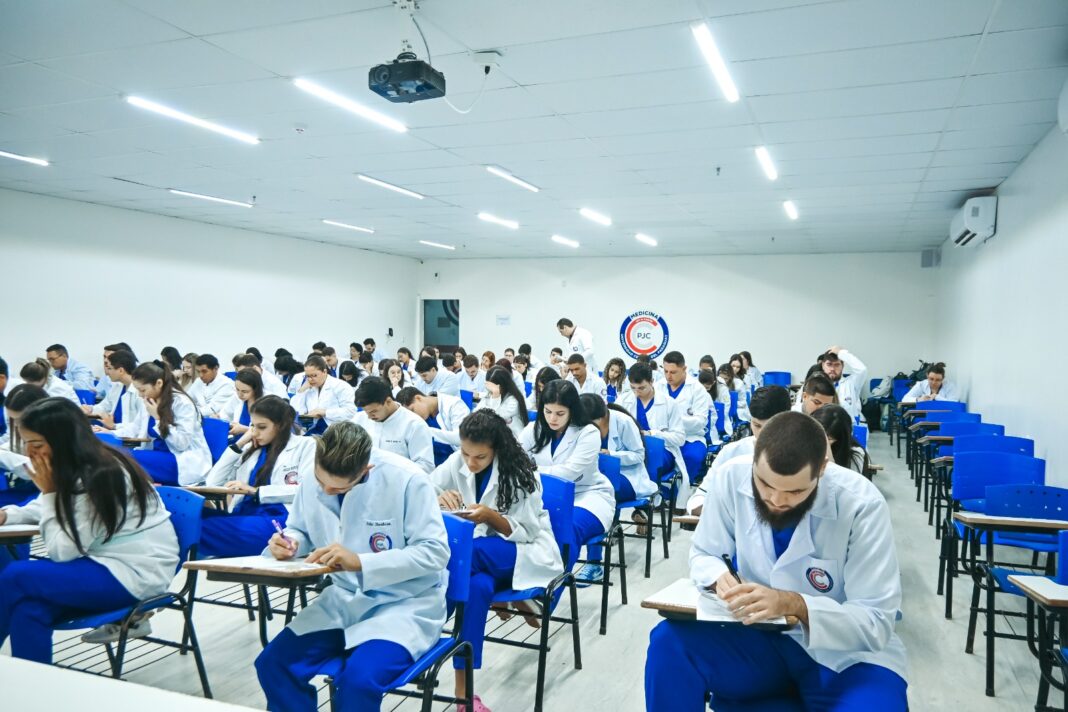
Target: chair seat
x,y
511,596
1042,543
95,620
444,646
1001,575
633,503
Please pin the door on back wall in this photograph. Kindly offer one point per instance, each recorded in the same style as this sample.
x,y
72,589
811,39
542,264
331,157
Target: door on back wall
x,y
441,323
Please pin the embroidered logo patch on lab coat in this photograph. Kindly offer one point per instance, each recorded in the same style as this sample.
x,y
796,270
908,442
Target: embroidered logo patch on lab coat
x,y
291,478
380,541
820,579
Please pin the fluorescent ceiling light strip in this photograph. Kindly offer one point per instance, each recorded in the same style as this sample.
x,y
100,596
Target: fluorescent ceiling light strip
x,y
595,217
641,237
350,105
765,162
560,239
211,198
715,61
181,116
790,208
27,159
498,171
357,228
436,244
389,186
510,224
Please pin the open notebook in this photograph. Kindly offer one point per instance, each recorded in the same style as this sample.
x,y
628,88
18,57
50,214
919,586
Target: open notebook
x,y
711,608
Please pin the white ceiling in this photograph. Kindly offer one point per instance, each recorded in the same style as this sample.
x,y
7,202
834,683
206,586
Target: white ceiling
x,y
881,116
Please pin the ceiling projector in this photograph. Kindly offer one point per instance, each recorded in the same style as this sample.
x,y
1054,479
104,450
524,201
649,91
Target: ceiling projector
x,y
406,79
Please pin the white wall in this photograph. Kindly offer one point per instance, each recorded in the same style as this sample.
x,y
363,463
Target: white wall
x,y
1005,307
785,309
87,275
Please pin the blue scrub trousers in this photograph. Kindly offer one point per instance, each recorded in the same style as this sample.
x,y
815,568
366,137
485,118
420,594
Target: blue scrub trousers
x,y
747,669
693,454
37,594
587,527
289,661
243,533
160,465
492,566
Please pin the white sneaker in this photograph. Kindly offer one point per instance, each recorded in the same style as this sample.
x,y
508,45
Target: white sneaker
x,y
109,633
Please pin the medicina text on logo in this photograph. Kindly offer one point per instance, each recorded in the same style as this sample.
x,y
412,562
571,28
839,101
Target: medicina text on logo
x,y
644,333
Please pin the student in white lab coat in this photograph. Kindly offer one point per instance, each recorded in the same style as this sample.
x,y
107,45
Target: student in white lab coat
x,y
505,399
373,517
121,404
78,375
178,452
290,372
393,428
730,381
521,368
753,375
535,364
248,388
658,414
39,373
768,401
212,391
108,537
717,393
322,398
431,379
350,373
546,374
186,376
813,541
615,379
493,479
442,414
391,372
621,438
694,404
268,453
13,454
563,443
104,384
934,388
845,449
272,385
579,341
369,346
406,360
585,380
817,392
471,378
557,360
329,355
849,387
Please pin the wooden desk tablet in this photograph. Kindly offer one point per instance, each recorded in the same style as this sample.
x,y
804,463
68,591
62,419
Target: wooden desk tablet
x,y
1051,599
12,535
686,519
935,439
213,494
1042,590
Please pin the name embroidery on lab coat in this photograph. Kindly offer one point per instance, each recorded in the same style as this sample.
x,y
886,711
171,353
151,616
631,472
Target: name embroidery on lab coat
x,y
820,579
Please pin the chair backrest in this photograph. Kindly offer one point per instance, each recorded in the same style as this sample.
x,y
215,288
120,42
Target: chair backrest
x,y
777,378
1032,501
973,472
217,433
461,535
721,414
558,499
900,388
950,416
860,432
468,397
993,443
532,415
611,467
734,406
85,397
232,375
656,457
528,387
874,383
955,406
963,427
1062,558
186,509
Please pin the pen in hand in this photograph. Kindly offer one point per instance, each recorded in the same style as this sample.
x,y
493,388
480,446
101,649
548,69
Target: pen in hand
x,y
278,528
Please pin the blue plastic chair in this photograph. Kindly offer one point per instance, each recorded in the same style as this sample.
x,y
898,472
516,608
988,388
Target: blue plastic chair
x,y
860,433
778,378
468,397
425,670
661,468
232,375
185,509
85,397
611,468
900,388
558,498
733,412
528,387
217,433
993,443
532,415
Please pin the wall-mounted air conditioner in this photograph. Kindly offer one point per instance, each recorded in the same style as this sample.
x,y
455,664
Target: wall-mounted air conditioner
x,y
975,222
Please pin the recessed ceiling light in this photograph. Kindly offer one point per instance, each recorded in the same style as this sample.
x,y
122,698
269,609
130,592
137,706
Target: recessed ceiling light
x,y
646,239
510,224
765,162
560,239
182,116
389,186
498,171
715,61
790,208
212,198
595,217
27,159
349,105
437,245
357,228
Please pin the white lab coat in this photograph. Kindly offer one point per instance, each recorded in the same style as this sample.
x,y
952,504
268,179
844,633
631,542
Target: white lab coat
x,y
694,403
444,382
403,433
620,390
185,439
132,405
391,520
56,387
576,460
335,397
738,448
213,397
948,392
594,384
850,389
517,379
581,342
665,422
451,412
295,463
625,442
537,555
508,409
273,386
475,385
841,560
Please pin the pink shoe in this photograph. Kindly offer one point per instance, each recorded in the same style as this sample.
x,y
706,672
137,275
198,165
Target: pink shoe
x,y
478,706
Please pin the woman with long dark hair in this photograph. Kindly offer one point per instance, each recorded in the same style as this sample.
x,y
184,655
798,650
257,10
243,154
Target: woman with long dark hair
x,y
615,378
268,454
493,483
248,388
505,399
845,449
754,378
178,452
12,455
545,375
108,536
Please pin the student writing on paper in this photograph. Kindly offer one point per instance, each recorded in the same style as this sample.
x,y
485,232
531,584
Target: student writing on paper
x,y
442,413
211,391
615,379
514,547
248,388
933,388
322,398
373,517
505,399
39,373
393,428
431,379
813,541
471,378
585,380
122,404
817,392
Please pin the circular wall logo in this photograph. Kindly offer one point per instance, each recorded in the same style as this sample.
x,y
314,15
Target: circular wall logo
x,y
644,333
